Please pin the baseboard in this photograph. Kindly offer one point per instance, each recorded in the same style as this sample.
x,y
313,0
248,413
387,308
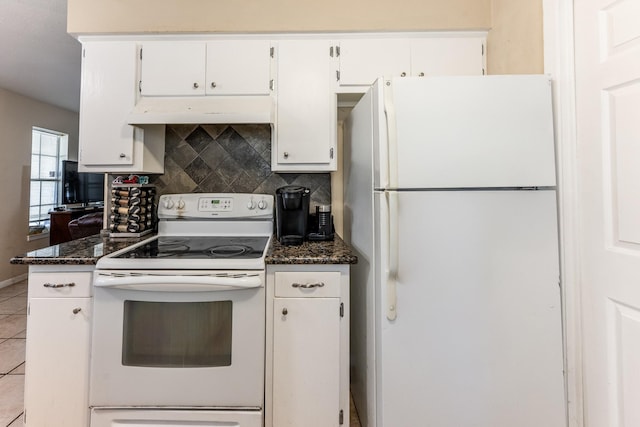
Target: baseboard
x,y
13,280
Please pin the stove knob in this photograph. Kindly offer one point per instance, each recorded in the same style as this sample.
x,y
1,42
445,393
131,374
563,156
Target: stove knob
x,y
180,204
251,205
262,204
168,203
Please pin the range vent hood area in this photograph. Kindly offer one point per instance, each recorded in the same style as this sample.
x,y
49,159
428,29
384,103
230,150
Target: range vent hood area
x,y
203,110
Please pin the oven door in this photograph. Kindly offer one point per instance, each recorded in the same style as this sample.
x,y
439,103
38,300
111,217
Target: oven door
x,y
187,338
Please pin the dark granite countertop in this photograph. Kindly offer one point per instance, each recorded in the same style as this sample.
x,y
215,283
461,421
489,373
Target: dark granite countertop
x,y
335,251
84,251
87,251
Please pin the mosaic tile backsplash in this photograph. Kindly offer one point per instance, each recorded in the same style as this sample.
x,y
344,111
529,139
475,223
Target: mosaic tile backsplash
x,y
228,159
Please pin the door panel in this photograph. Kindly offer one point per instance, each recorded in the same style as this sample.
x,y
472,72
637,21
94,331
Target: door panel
x,y
607,47
173,68
238,67
478,312
56,382
306,104
306,362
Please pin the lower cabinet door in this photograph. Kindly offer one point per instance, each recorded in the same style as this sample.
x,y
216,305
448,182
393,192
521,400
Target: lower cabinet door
x,y
57,362
306,362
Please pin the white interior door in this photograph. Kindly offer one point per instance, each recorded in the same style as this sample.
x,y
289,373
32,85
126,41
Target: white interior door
x,y
608,144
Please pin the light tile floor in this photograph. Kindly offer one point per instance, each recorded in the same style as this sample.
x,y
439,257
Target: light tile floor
x,y
13,325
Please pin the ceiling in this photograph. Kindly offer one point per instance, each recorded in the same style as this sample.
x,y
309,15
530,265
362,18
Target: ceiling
x,y
38,58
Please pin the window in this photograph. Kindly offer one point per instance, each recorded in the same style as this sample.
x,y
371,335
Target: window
x,y
48,149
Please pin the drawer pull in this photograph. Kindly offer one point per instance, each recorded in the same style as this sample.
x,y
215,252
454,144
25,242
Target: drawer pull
x,y
307,285
77,310
59,285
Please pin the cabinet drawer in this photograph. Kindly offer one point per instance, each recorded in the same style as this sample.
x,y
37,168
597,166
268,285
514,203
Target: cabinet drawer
x,y
307,284
63,284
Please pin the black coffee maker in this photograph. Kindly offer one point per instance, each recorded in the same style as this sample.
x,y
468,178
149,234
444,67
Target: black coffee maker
x,y
292,210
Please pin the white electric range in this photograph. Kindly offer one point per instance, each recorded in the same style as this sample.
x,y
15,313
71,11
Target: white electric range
x,y
179,318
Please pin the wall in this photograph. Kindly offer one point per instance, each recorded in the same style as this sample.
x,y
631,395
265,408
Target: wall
x,y
515,42
18,114
108,16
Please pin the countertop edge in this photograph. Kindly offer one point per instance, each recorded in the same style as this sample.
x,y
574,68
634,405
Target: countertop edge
x,y
87,251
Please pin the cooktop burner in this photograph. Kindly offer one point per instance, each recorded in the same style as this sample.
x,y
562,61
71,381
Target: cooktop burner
x,y
199,247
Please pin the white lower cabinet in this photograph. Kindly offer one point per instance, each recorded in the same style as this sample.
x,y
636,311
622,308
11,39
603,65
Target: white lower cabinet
x,y
307,346
57,349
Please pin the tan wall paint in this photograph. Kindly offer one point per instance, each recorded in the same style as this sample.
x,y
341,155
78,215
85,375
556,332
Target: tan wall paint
x,y
515,42
108,16
18,114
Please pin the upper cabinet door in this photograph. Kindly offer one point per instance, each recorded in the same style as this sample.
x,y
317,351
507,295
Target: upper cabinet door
x,y
447,56
238,67
173,69
108,94
363,61
305,134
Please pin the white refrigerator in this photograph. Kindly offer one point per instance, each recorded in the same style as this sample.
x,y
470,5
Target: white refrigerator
x,y
450,205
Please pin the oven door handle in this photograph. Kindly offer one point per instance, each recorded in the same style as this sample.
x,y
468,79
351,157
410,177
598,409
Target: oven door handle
x,y
187,283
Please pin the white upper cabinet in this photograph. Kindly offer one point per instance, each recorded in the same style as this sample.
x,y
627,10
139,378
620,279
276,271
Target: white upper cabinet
x,y
132,86
363,61
106,142
198,68
238,67
305,132
173,69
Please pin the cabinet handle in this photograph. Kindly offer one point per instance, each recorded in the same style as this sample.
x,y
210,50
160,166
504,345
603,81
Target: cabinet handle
x,y
421,75
213,84
285,311
196,85
286,154
403,74
122,155
307,285
77,310
59,285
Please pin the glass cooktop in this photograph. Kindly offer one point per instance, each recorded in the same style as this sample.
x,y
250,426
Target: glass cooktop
x,y
199,247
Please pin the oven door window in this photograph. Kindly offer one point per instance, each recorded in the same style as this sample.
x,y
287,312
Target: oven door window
x,y
177,334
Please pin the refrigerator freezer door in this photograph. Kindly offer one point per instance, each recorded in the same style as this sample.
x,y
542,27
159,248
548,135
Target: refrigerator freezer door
x,y
477,338
471,131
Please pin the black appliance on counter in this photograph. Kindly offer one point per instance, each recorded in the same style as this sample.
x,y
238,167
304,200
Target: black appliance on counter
x,y
292,211
321,224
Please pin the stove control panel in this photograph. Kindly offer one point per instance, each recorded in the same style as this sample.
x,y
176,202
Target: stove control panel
x,y
215,205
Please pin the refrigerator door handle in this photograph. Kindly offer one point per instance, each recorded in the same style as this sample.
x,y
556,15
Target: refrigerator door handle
x,y
392,238
392,136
